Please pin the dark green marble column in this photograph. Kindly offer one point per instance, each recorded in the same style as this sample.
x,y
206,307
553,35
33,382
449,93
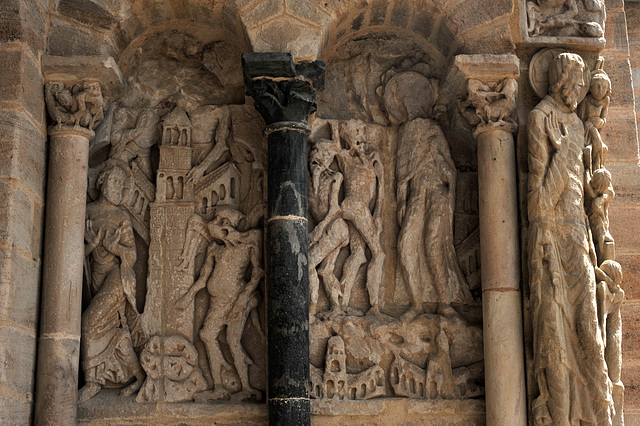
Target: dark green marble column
x,y
284,94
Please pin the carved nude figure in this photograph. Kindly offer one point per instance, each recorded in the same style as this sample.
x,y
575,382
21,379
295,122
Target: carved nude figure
x,y
569,368
135,144
90,105
230,255
599,193
609,296
107,348
60,103
331,232
363,188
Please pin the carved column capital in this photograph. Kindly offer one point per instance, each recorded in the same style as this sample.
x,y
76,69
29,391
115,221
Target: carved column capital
x,y
284,92
491,105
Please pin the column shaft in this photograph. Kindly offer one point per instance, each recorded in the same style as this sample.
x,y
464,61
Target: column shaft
x,y
500,260
59,343
288,279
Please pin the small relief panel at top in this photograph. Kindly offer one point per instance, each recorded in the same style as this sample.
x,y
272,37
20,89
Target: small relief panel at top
x,y
563,21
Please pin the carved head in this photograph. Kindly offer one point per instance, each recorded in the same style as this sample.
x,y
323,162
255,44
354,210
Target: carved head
x,y
92,88
224,223
355,134
566,79
613,270
600,85
601,180
111,185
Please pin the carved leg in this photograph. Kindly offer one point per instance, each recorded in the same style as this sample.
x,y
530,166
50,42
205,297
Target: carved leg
x,y
88,391
240,358
209,335
352,264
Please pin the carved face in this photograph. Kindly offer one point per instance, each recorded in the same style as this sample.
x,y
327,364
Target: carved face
x,y
92,89
113,186
600,87
572,89
64,98
355,136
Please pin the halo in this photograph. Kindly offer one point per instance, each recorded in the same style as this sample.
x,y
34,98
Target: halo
x,y
539,71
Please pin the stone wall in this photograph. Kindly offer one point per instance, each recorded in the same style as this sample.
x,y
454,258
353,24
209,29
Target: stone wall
x,y
309,30
23,34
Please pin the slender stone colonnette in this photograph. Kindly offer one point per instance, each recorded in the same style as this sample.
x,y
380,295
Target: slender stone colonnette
x,y
285,96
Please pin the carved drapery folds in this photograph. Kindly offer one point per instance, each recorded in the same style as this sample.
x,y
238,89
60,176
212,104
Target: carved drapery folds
x,y
392,312
574,281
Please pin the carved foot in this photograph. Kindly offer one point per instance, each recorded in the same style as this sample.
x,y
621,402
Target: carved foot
x,y
132,388
211,395
244,395
88,391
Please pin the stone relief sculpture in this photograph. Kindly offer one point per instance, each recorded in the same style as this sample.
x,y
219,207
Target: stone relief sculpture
x,y
79,106
490,106
110,324
230,255
568,309
361,179
584,18
409,342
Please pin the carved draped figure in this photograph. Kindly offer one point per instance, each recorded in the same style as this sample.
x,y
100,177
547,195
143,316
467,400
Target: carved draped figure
x,y
569,365
108,356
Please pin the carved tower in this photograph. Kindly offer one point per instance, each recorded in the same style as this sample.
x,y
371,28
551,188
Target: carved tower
x,y
173,207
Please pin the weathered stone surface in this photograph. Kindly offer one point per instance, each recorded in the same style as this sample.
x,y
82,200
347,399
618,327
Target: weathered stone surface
x,y
66,39
72,70
22,82
23,21
19,357
23,153
92,13
16,212
15,409
19,289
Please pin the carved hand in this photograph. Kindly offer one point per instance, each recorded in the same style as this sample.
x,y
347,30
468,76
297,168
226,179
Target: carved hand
x,y
112,241
196,173
556,131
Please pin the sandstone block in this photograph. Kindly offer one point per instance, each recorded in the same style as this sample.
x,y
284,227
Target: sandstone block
x,y
93,13
22,20
66,39
286,35
468,15
22,82
15,410
631,271
616,30
309,11
19,285
15,215
22,151
619,71
618,134
18,360
424,22
625,227
626,181
491,39
261,12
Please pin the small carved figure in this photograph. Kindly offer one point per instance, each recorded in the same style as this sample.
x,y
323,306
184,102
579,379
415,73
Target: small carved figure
x,y
90,105
561,17
229,258
107,349
593,111
331,233
215,156
61,104
599,193
135,144
609,296
568,357
363,187
490,104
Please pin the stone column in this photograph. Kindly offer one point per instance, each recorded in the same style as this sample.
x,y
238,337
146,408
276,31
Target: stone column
x,y
75,112
284,94
492,90
61,301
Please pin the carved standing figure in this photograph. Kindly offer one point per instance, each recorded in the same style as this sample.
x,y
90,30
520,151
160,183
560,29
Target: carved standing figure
x,y
90,105
569,366
136,143
331,232
362,208
107,348
426,181
593,111
229,258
